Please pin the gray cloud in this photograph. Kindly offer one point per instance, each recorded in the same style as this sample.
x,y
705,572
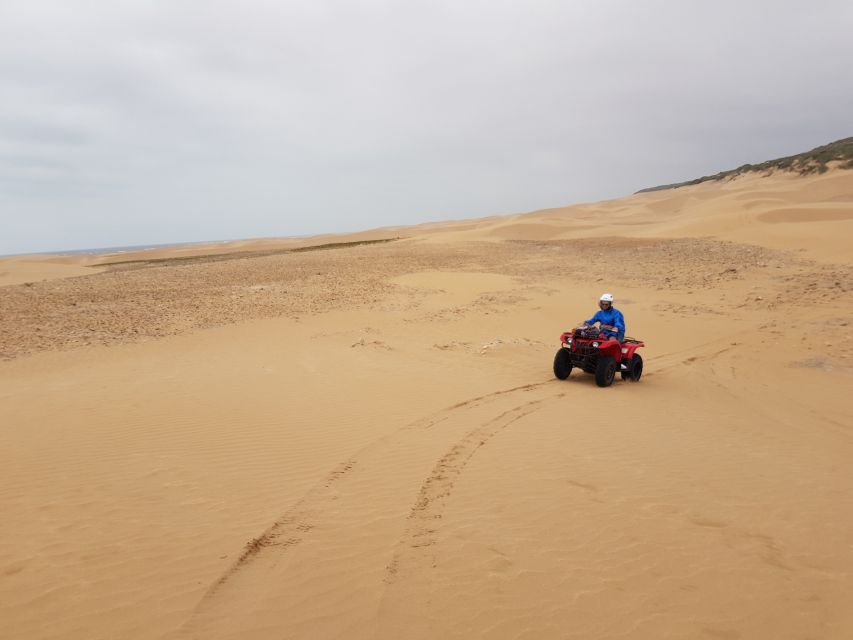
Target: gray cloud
x,y
153,121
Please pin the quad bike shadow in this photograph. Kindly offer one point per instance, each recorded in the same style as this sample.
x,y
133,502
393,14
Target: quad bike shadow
x,y
594,352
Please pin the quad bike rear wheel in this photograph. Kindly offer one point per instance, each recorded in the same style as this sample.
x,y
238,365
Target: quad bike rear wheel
x,y
563,363
634,370
605,371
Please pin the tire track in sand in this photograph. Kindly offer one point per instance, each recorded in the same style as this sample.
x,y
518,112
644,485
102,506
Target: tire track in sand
x,y
296,524
428,508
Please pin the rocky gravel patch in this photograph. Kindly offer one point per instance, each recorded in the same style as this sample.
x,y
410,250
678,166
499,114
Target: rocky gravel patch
x,y
127,304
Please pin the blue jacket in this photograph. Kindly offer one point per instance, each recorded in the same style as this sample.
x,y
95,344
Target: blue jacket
x,y
614,318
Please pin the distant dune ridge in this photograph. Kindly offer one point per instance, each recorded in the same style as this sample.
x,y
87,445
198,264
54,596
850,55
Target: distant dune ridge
x,y
818,160
360,435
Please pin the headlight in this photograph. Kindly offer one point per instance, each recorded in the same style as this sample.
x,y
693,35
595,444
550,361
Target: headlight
x,y
595,344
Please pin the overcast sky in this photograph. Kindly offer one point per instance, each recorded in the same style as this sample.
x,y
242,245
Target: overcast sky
x,y
155,121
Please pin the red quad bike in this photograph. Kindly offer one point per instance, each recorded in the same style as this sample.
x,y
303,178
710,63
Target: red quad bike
x,y
595,353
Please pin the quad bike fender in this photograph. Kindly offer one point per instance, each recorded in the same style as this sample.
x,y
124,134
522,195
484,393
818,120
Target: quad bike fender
x,y
612,348
623,351
628,349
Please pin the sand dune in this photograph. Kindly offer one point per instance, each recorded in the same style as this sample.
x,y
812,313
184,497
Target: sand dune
x,y
801,215
368,441
29,269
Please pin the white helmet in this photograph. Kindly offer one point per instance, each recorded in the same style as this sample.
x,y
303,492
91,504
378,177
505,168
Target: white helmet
x,y
606,297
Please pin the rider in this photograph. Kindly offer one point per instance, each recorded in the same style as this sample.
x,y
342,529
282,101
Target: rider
x,y
612,321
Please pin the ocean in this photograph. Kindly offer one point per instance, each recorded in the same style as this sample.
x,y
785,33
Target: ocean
x,y
123,249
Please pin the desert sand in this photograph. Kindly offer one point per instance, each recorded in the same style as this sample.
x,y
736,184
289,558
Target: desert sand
x,y
367,440
30,269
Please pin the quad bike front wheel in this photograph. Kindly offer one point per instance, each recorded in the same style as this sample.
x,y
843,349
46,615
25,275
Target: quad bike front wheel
x,y
563,363
634,370
605,371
